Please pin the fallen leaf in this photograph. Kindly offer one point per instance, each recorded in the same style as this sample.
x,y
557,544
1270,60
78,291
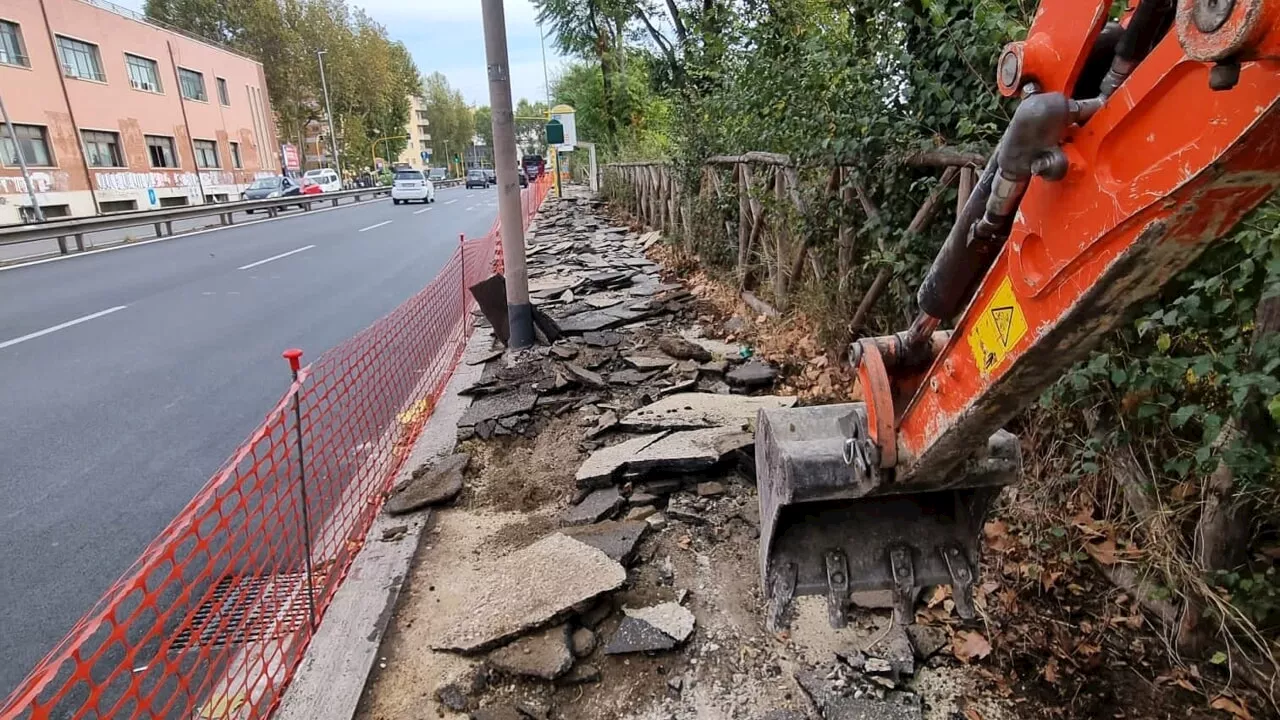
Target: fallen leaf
x,y
1231,705
940,593
1050,671
971,714
1087,649
1183,491
1103,552
1182,683
969,645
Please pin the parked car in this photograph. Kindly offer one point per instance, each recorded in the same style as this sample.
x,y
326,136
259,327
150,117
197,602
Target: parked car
x,y
311,187
271,187
477,178
524,179
491,176
533,165
327,178
438,174
412,185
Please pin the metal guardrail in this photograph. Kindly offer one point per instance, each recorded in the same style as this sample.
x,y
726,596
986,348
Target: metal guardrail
x,y
77,228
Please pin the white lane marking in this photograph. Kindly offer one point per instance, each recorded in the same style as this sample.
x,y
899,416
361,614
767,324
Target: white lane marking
x,y
471,194
375,225
473,207
201,231
450,202
419,212
274,257
62,326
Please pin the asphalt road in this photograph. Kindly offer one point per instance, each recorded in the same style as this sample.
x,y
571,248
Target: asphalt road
x,y
110,424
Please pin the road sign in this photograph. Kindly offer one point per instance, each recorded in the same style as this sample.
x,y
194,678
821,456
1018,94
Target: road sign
x,y
555,132
425,156
151,196
289,155
564,114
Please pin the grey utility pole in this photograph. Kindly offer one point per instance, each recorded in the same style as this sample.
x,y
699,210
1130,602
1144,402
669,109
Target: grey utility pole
x,y
328,111
22,163
519,311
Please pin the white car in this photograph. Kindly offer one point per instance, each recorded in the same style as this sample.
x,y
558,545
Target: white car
x,y
326,178
412,185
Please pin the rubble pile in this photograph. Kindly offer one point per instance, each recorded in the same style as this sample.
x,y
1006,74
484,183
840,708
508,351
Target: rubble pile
x,y
613,334
638,594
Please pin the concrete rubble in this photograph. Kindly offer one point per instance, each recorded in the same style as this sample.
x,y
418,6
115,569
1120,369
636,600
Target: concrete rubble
x,y
531,587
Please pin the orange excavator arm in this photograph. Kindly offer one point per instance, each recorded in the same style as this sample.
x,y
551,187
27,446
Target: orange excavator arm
x,y
1136,144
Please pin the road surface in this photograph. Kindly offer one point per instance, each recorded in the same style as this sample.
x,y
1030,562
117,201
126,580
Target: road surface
x,y
127,377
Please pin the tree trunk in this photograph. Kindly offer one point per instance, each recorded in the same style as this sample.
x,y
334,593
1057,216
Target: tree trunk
x,y
1222,532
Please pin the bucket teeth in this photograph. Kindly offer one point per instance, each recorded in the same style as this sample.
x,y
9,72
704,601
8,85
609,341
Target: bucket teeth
x,y
961,581
837,588
903,571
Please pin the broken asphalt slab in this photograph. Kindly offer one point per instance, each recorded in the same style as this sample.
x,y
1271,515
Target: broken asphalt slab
x,y
701,410
599,468
671,618
430,485
618,540
596,506
545,655
528,589
496,407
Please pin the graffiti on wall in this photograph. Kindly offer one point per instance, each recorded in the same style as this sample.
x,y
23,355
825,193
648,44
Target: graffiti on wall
x,y
41,180
154,180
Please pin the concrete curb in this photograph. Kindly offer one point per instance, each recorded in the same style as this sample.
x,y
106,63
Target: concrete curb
x,y
333,672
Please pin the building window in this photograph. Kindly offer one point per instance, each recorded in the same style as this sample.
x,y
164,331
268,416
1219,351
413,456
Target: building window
x,y
12,51
144,74
236,162
102,149
192,84
111,206
224,97
422,130
32,140
80,59
162,152
207,154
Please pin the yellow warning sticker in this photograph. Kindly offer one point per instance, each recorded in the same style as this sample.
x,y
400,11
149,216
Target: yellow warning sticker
x,y
1000,326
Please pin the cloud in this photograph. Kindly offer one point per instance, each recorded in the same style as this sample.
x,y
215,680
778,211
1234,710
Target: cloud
x,y
447,36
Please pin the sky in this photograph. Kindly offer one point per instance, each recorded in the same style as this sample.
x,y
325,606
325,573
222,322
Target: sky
x,y
446,36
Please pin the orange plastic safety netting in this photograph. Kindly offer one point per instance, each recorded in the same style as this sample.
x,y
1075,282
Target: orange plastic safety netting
x,y
213,618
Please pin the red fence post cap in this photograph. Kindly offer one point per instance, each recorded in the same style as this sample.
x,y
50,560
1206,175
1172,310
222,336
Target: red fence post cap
x,y
294,356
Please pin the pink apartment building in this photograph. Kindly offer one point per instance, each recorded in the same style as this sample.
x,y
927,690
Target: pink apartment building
x,y
113,113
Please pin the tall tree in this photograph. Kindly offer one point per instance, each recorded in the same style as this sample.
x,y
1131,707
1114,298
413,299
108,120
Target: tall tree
x,y
369,76
453,124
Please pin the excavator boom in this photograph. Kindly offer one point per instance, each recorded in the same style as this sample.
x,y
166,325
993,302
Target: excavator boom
x,y
1103,187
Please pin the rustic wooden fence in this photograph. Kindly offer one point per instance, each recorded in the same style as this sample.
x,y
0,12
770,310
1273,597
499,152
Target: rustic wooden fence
x,y
781,224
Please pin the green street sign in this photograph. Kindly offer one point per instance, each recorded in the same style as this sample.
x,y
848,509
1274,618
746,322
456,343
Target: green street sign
x,y
555,132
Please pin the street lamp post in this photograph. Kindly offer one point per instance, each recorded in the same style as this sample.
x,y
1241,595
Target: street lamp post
x,y
328,111
448,159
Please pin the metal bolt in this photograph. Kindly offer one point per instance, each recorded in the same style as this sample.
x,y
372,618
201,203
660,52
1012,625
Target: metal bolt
x,y
1224,75
837,578
949,367
934,385
1209,15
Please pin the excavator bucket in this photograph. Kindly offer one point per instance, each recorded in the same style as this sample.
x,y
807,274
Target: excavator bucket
x,y
832,524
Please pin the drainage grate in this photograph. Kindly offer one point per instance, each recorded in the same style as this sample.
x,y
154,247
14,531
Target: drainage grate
x,y
248,608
